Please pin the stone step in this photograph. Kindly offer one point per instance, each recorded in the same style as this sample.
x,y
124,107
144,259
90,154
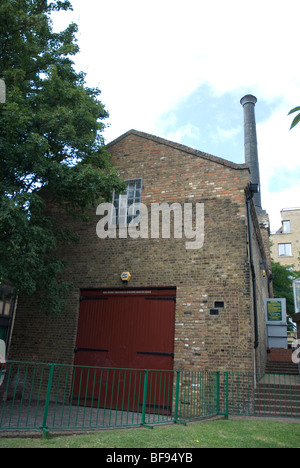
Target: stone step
x,y
278,411
280,399
277,395
278,367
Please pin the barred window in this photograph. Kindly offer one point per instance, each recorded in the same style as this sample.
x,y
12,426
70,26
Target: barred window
x,y
127,205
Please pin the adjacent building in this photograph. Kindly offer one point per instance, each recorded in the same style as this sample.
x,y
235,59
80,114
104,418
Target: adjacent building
x,y
285,243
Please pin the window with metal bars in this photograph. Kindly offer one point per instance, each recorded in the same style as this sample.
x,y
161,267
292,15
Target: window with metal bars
x,y
127,205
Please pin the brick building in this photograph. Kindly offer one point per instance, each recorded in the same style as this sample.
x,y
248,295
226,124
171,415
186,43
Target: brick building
x,y
187,305
285,247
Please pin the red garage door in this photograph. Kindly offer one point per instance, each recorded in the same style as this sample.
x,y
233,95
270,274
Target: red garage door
x,y
132,329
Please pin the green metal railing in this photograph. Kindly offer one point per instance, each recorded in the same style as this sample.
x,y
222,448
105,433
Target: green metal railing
x,y
60,397
249,394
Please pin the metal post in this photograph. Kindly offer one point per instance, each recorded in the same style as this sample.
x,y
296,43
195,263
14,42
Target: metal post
x,y
143,423
177,396
227,396
50,379
145,396
218,392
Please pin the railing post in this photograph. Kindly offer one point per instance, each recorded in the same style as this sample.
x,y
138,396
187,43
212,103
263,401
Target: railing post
x,y
143,423
218,392
177,396
227,396
50,379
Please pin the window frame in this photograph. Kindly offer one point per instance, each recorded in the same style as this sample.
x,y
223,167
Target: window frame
x,y
288,229
121,204
285,254
5,308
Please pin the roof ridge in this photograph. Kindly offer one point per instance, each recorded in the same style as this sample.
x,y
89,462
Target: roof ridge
x,y
180,147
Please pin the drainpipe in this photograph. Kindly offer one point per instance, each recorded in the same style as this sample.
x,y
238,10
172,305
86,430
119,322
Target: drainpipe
x,y
253,190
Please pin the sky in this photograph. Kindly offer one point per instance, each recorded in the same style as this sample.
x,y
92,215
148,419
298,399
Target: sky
x,y
178,69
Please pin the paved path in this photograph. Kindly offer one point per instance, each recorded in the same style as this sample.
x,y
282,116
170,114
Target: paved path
x,y
25,416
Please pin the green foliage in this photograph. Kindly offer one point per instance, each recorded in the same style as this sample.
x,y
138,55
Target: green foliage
x,y
283,284
297,118
51,146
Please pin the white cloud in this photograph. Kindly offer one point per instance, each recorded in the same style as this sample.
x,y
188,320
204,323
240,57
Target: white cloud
x,y
189,130
279,148
147,56
227,134
277,144
273,203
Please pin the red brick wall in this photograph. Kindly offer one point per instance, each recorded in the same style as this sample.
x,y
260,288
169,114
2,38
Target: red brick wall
x,y
217,272
280,355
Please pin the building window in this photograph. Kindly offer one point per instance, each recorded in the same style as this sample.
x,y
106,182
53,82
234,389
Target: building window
x,y
5,308
286,227
214,312
7,300
285,250
127,205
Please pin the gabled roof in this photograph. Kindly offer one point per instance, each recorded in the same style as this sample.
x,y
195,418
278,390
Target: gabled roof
x,y
178,146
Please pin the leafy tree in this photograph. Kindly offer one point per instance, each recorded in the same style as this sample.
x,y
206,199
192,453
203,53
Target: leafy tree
x,y
297,118
283,285
51,147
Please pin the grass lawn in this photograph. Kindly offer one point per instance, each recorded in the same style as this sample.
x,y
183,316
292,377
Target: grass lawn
x,y
211,434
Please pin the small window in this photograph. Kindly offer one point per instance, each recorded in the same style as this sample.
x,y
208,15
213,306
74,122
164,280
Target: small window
x,y
285,250
286,227
219,304
5,308
128,204
214,312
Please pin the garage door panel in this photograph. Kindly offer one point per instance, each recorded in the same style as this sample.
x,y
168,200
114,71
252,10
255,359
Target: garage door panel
x,y
125,325
85,357
94,325
123,389
123,332
157,323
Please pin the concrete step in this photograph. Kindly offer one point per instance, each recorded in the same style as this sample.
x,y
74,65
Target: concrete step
x,y
278,394
279,367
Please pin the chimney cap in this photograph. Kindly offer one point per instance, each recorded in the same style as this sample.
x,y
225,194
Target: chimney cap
x,y
248,99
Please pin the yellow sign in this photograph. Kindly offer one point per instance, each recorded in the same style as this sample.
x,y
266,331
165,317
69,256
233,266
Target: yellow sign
x,y
125,276
274,311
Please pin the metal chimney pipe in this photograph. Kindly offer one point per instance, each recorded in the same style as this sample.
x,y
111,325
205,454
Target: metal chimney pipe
x,y
251,154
